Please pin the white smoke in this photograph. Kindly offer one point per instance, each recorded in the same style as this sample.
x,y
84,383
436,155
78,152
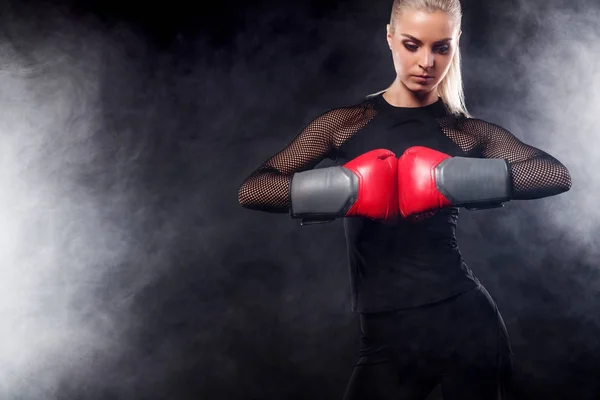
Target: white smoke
x,y
57,246
563,69
548,57
545,65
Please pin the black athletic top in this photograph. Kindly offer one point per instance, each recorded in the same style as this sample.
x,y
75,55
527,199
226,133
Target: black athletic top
x,y
408,263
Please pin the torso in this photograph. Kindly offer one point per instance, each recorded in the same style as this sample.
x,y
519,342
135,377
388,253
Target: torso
x,y
408,263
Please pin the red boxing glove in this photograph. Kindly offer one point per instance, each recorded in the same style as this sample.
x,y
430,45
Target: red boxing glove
x,y
366,186
378,186
417,183
377,194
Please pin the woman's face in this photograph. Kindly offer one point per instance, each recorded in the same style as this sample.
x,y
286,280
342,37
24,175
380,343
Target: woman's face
x,y
422,45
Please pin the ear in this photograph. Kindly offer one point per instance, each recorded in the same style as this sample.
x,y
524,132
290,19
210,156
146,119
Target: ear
x,y
389,35
458,37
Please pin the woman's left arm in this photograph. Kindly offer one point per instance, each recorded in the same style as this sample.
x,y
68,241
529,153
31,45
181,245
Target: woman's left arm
x,y
534,173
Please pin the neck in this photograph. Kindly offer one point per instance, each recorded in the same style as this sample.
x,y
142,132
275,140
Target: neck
x,y
400,96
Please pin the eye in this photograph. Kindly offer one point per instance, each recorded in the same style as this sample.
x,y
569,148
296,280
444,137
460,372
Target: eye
x,y
443,49
410,46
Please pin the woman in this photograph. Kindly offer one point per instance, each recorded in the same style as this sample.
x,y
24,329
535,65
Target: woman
x,y
425,318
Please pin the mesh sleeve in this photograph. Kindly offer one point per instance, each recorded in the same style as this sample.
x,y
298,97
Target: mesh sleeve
x,y
535,173
267,188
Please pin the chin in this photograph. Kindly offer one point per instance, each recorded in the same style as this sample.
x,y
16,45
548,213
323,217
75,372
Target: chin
x,y
419,89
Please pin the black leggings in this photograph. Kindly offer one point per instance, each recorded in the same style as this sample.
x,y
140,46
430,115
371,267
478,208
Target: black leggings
x,y
460,343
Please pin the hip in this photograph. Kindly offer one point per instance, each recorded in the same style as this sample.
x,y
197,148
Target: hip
x,y
468,316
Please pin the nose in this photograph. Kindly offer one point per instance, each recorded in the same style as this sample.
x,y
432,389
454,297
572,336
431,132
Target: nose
x,y
427,59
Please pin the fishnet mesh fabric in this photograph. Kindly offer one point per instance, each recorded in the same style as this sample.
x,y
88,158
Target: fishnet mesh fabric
x,y
535,173
267,188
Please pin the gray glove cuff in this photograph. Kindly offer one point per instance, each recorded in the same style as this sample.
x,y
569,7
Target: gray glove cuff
x,y
321,195
475,183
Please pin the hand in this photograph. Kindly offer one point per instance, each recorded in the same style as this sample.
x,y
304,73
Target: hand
x,y
418,194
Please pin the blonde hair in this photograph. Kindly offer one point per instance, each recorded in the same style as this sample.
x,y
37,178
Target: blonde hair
x,y
450,88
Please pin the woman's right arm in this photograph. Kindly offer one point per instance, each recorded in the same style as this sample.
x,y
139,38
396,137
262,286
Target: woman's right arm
x,y
268,187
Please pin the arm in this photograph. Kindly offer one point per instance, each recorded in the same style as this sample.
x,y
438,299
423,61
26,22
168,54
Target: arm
x,y
508,170
533,173
268,187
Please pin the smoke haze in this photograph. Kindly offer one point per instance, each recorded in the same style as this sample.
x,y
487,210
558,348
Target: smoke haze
x,y
128,270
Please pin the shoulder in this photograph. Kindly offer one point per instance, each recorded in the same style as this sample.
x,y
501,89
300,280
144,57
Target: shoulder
x,y
335,125
354,115
478,127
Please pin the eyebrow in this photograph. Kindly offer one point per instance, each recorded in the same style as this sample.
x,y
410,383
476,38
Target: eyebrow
x,y
420,42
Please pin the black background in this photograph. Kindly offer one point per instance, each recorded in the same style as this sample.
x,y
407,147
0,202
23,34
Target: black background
x,y
238,304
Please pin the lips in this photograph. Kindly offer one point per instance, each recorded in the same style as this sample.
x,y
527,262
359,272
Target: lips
x,y
423,76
